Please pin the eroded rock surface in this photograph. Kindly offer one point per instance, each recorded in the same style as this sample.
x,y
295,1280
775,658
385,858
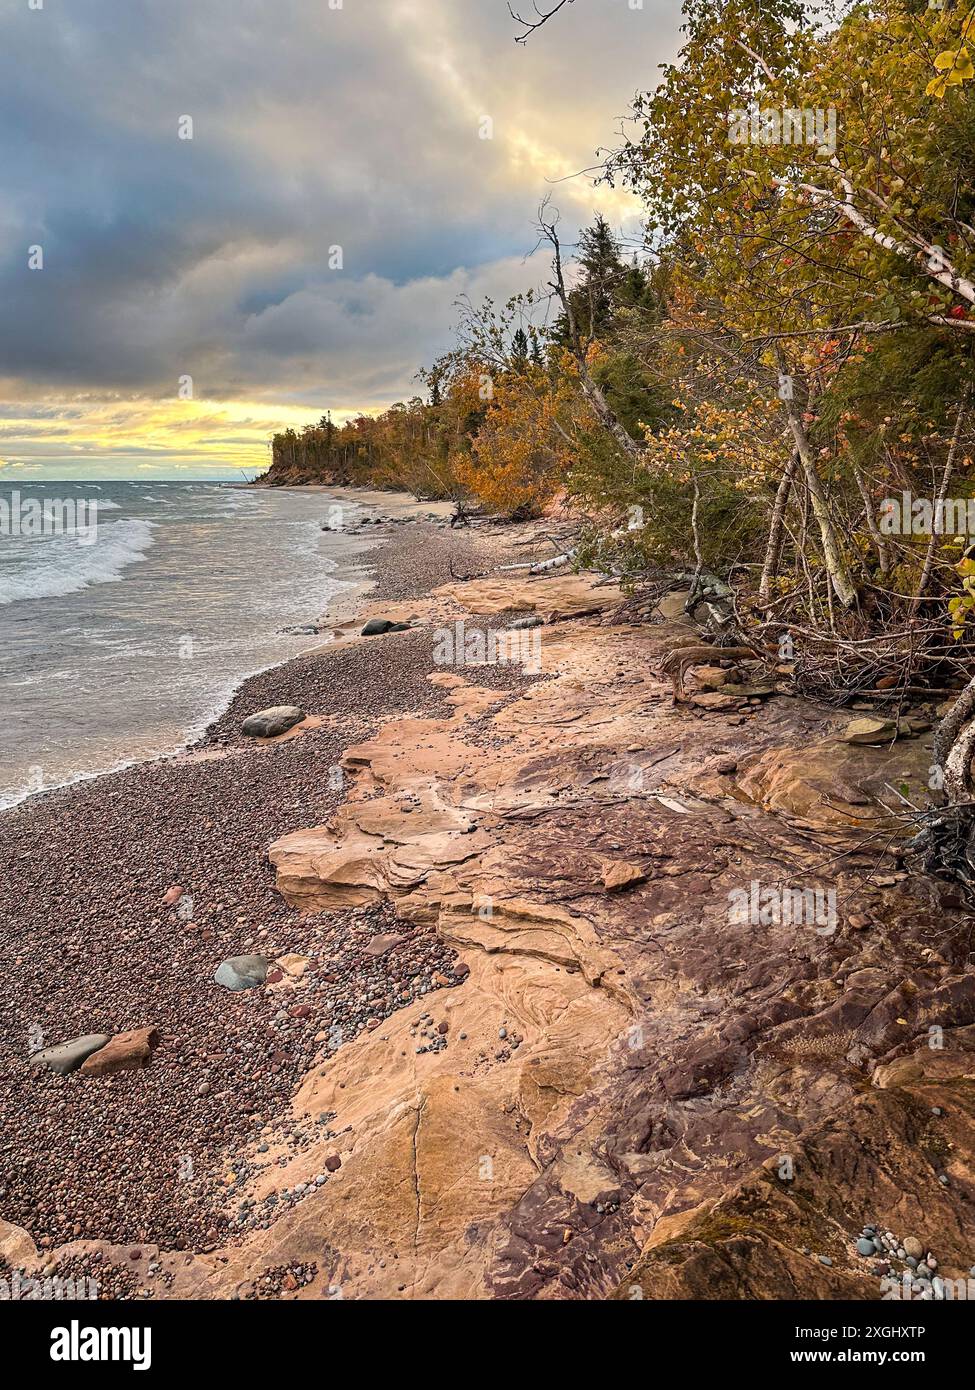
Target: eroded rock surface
x,y
705,1048
627,1060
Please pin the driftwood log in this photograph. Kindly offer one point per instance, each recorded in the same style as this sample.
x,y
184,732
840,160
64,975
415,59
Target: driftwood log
x,y
677,662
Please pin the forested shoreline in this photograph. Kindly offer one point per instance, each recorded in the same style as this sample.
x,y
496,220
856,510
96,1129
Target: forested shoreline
x,y
775,388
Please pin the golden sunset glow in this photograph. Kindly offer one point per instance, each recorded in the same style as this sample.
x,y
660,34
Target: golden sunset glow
x,y
191,437
304,251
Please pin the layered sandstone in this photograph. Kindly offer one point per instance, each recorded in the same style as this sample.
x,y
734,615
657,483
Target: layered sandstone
x,y
626,1064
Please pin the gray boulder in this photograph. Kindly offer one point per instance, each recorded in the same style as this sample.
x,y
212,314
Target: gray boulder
x,y
268,723
68,1056
242,972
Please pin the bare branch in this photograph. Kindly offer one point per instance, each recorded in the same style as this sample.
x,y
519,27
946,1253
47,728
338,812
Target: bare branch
x,y
757,58
942,494
548,230
935,264
530,25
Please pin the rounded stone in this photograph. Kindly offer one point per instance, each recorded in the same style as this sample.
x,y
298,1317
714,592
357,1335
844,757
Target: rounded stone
x,y
270,723
241,972
68,1056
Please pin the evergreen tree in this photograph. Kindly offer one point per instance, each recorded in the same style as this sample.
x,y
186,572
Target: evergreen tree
x,y
596,298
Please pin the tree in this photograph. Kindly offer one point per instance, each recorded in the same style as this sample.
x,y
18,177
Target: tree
x,y
524,446
603,281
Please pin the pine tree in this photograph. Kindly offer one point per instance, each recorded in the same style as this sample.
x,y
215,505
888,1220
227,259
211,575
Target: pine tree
x,y
597,297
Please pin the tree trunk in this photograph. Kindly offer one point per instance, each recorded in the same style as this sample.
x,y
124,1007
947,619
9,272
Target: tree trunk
x,y
922,583
880,545
776,532
835,561
952,726
594,395
945,844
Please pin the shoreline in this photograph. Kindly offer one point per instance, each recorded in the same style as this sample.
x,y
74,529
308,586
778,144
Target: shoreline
x,y
92,948
356,580
497,904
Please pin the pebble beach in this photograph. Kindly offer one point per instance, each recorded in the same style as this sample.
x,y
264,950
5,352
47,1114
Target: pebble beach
x,y
91,947
377,1088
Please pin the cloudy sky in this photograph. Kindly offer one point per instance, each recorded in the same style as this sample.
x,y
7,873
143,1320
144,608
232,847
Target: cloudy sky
x,y
316,124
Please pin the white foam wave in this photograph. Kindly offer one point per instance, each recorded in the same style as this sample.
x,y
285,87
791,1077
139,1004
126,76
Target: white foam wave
x,y
61,566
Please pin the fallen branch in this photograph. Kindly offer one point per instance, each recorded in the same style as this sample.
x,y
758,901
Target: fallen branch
x,y
555,562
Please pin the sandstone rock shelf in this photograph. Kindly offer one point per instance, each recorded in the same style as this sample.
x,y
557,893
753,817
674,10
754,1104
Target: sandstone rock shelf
x,y
623,1069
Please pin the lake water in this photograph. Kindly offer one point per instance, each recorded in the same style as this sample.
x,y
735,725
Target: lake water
x,y
129,616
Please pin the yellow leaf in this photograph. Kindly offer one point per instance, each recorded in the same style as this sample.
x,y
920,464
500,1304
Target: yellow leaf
x,y
956,67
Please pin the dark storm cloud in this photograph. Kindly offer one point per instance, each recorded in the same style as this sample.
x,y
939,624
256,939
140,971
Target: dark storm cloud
x,y
313,127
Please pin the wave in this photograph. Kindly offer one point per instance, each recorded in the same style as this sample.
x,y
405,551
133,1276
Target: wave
x,y
15,795
62,566
234,499
109,507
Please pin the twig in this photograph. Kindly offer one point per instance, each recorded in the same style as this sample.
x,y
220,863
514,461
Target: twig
x,y
530,25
